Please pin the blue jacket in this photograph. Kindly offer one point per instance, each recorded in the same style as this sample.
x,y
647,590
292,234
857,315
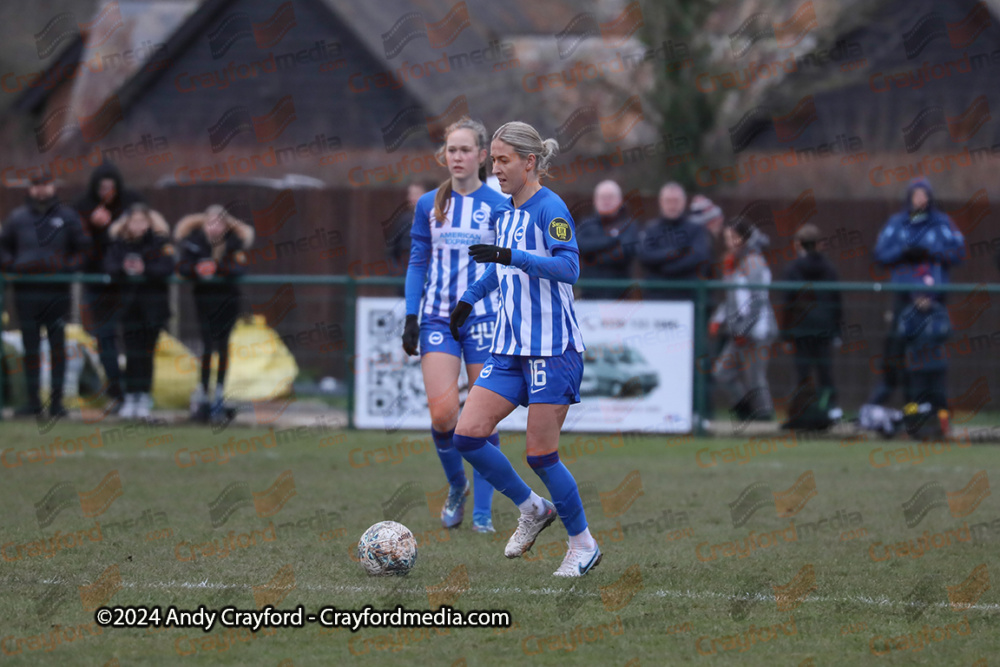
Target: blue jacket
x,y
910,239
924,333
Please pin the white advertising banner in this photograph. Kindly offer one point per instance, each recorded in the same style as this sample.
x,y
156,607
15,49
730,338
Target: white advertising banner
x,y
638,369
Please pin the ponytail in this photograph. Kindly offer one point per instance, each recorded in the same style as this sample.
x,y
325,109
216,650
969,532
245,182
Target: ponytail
x,y
525,141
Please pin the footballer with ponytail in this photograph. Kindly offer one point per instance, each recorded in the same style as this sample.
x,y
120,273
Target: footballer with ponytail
x,y
535,358
442,200
446,222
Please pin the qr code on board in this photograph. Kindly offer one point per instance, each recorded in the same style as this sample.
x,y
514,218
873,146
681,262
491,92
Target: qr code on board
x,y
395,382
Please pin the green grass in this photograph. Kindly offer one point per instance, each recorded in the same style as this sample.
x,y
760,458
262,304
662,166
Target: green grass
x,y
662,597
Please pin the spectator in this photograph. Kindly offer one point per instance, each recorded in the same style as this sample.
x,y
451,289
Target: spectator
x,y
397,232
139,247
924,327
812,322
672,247
607,241
707,214
746,315
105,201
920,235
213,244
41,237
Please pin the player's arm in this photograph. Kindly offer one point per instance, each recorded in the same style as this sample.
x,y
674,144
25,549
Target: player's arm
x,y
488,282
560,239
416,275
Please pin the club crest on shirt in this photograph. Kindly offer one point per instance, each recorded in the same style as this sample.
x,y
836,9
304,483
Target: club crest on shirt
x,y
560,230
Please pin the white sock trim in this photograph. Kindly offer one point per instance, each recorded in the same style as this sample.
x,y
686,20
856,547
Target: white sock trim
x,y
532,505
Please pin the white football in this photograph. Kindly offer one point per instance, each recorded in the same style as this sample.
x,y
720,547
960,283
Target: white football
x,y
387,548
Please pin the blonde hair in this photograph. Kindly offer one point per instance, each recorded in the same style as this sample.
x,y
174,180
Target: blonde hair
x,y
525,141
442,200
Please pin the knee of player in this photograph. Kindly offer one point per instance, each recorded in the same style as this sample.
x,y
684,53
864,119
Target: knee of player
x,y
474,427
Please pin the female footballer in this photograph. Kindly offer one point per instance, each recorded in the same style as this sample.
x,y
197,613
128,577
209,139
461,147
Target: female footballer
x,y
446,222
535,357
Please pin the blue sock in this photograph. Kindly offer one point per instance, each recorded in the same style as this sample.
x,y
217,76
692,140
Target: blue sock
x,y
451,458
482,490
562,487
494,466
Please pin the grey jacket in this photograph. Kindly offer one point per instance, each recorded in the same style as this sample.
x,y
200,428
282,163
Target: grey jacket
x,y
748,312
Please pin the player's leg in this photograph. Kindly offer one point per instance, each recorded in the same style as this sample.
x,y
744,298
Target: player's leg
x,y
476,338
555,384
440,371
482,490
499,389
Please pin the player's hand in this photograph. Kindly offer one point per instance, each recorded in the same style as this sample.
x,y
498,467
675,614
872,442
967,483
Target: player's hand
x,y
489,253
411,335
458,316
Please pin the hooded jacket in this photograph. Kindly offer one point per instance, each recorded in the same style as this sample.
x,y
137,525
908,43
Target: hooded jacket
x,y
911,238
87,203
145,301
43,237
230,255
746,312
810,312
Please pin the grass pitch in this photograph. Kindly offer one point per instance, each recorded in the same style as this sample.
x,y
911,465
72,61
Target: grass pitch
x,y
717,551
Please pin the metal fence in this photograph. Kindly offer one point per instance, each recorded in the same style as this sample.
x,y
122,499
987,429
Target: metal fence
x,y
314,317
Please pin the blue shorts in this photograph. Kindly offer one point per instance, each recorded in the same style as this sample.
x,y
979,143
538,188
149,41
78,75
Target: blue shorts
x,y
527,380
475,337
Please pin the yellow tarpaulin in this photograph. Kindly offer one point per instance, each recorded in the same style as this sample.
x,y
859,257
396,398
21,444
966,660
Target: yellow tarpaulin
x,y
260,367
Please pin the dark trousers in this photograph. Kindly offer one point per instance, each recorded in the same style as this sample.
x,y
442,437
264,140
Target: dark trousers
x,y
893,366
815,352
140,344
38,306
217,316
102,317
928,387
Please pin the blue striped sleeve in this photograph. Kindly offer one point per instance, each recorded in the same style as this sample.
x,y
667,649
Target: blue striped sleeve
x,y
420,257
486,284
563,266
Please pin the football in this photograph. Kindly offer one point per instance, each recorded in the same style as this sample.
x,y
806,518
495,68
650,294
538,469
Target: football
x,y
387,548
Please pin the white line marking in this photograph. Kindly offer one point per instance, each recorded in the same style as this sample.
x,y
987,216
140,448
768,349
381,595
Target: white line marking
x,y
516,590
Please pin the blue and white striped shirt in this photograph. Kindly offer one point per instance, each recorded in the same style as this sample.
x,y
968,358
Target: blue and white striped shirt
x,y
440,269
536,316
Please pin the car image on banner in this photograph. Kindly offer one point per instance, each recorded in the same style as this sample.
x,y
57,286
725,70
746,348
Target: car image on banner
x,y
616,372
638,369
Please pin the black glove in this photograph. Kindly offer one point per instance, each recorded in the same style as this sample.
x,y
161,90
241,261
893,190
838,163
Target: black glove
x,y
411,335
915,254
458,317
490,253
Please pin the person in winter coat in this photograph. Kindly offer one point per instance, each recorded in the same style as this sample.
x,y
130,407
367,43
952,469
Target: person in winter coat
x,y
139,247
921,235
924,327
812,318
672,247
213,244
608,242
105,201
746,315
42,237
